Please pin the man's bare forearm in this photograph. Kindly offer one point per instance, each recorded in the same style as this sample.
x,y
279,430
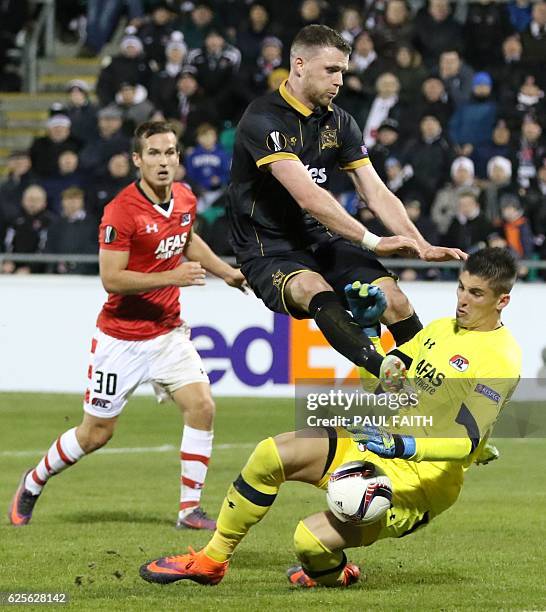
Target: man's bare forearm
x,y
199,250
393,215
328,211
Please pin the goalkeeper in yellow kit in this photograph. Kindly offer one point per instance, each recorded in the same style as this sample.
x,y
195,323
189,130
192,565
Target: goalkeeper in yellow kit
x,y
464,368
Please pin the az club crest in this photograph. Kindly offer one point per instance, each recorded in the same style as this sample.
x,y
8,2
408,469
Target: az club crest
x,y
328,139
459,362
185,219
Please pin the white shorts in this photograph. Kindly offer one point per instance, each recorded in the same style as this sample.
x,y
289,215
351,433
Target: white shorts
x,y
118,367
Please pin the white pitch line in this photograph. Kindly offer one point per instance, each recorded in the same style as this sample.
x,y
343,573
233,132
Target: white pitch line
x,y
166,448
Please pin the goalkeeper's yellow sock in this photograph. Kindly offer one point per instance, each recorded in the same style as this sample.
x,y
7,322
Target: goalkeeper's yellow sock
x,y
248,499
317,560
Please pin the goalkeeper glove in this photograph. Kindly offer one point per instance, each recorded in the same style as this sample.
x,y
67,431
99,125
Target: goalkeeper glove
x,y
488,453
384,443
367,304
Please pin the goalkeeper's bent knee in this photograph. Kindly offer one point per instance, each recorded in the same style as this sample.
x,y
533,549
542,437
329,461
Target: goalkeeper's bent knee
x,y
264,469
318,561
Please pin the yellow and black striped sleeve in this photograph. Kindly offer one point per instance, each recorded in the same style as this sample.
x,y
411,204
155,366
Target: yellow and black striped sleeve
x,y
265,137
273,157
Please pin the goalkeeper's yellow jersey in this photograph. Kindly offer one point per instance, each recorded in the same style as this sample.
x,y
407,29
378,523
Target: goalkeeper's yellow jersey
x,y
463,378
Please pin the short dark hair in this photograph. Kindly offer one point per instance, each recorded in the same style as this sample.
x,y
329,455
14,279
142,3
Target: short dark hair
x,y
319,36
496,265
149,128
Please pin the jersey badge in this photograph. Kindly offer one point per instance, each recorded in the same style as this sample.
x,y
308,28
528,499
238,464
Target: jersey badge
x,y
276,141
293,141
459,362
328,139
185,219
110,234
488,392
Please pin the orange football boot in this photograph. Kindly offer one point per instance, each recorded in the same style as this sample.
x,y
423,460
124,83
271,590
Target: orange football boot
x,y
194,566
22,504
297,576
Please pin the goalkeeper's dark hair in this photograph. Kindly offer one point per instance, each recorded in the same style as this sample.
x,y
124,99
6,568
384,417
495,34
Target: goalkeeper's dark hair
x,y
318,36
498,266
150,128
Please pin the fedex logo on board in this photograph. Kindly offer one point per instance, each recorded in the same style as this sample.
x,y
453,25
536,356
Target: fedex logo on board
x,y
289,345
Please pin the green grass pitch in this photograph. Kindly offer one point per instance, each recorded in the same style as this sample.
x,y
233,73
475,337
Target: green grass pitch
x,y
97,522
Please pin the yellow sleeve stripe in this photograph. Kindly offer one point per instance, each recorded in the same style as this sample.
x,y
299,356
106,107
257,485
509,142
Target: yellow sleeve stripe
x,y
268,159
356,164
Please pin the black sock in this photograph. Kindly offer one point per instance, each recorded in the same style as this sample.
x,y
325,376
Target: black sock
x,y
404,330
342,332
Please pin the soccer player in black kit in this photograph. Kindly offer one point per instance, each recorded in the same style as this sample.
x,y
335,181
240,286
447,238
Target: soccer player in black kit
x,y
297,246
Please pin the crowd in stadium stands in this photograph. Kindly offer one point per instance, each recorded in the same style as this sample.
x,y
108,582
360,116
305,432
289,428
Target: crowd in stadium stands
x,y
450,98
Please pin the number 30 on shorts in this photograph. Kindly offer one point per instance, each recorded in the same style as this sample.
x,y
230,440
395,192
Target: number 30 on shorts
x,y
105,382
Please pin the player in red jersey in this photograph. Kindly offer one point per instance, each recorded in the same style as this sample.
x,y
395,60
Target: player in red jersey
x,y
141,338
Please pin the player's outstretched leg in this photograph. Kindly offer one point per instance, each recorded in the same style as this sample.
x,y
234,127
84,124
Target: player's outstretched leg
x,y
63,453
247,501
289,456
309,292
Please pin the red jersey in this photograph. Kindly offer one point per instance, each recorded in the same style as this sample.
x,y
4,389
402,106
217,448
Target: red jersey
x,y
155,239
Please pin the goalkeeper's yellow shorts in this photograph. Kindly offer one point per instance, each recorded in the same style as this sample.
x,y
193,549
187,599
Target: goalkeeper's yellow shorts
x,y
421,491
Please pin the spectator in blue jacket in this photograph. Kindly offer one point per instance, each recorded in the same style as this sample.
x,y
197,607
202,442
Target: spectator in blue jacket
x,y
472,123
207,166
519,12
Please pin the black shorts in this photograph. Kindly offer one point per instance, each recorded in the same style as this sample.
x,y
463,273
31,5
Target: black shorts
x,y
339,263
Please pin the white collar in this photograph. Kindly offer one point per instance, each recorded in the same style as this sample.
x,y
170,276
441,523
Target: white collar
x,y
165,213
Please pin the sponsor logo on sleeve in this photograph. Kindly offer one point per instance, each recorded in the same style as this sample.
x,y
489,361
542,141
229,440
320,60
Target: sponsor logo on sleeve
x,y
110,234
276,141
459,362
488,392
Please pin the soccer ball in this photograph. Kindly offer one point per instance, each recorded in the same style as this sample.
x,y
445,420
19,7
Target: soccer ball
x,y
359,492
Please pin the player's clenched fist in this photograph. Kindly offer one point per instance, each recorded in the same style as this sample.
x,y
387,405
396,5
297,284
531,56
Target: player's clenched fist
x,y
188,273
397,245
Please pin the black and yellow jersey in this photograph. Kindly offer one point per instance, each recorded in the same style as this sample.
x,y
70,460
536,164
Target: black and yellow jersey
x,y
463,378
265,220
